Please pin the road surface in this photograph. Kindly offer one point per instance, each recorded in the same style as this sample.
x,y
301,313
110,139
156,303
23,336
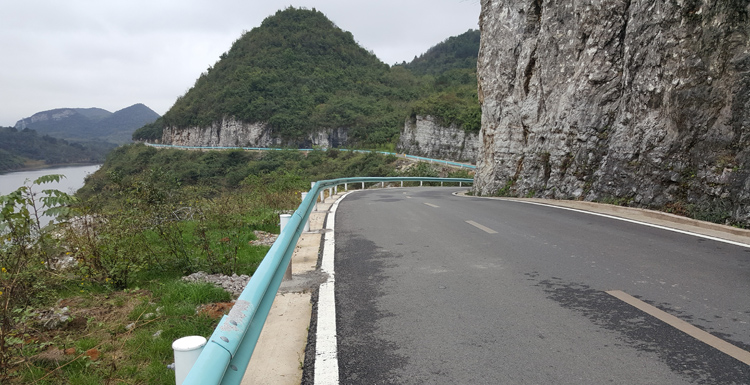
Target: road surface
x,y
433,288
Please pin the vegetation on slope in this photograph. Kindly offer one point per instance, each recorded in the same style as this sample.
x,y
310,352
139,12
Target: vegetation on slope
x,y
457,52
87,124
26,148
145,219
300,73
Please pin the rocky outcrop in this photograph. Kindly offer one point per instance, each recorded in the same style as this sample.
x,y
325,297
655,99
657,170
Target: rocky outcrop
x,y
425,136
637,102
234,133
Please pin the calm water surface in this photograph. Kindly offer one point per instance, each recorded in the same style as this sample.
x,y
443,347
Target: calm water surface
x,y
70,184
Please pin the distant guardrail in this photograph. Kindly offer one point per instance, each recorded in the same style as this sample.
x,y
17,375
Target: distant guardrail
x,y
225,357
419,158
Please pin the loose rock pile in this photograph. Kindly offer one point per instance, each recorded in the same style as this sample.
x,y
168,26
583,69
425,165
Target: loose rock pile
x,y
233,284
263,238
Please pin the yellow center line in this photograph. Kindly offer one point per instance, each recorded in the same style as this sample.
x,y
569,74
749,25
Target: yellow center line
x,y
700,335
483,228
431,205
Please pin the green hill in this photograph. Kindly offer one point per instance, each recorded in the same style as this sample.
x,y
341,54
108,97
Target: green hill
x,y
451,68
457,52
300,73
85,124
26,148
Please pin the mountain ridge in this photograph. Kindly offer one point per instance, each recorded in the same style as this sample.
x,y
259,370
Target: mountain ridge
x,y
94,123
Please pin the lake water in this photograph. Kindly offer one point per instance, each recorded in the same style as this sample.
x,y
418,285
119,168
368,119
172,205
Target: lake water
x,y
73,180
70,184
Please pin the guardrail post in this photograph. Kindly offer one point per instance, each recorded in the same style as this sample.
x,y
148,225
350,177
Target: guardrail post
x,y
420,183
283,220
336,190
382,184
460,184
330,192
346,186
186,352
402,183
322,197
307,224
441,184
363,185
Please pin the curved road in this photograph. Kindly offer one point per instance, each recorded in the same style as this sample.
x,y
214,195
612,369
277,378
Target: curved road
x,y
437,289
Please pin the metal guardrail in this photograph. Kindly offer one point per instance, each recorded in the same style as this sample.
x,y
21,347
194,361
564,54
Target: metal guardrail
x,y
419,158
225,357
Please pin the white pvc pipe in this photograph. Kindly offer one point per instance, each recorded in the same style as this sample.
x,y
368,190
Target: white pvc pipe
x,y
186,352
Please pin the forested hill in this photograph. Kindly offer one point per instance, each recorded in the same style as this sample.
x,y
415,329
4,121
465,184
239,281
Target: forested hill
x,y
451,68
457,52
26,148
299,73
83,124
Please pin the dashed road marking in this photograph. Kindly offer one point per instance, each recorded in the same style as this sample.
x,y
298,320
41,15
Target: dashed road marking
x,y
431,205
700,335
481,227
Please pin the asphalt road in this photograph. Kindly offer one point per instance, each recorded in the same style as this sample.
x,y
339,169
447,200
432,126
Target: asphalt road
x,y
519,295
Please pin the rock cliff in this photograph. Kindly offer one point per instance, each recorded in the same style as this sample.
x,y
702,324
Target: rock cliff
x,y
424,136
230,132
635,102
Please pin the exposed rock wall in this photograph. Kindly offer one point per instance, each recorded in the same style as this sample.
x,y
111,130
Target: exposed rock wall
x,y
640,102
234,133
424,136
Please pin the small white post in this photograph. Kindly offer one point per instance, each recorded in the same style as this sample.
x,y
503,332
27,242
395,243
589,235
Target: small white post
x,y
283,220
336,190
346,186
420,183
402,183
441,184
186,352
323,196
382,184
363,185
460,184
307,224
330,192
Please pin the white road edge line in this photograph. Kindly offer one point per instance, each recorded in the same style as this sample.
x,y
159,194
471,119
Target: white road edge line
x,y
481,227
707,338
637,222
326,344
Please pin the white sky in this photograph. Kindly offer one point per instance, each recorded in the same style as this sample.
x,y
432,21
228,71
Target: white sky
x,y
112,54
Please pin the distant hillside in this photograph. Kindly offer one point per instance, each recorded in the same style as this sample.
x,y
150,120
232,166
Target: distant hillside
x,y
26,148
451,66
457,52
299,73
90,123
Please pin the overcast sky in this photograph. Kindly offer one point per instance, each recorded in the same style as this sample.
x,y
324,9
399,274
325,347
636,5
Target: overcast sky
x,y
112,54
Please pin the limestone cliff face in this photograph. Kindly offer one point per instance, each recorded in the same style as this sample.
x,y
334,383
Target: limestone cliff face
x,y
424,136
640,102
234,133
